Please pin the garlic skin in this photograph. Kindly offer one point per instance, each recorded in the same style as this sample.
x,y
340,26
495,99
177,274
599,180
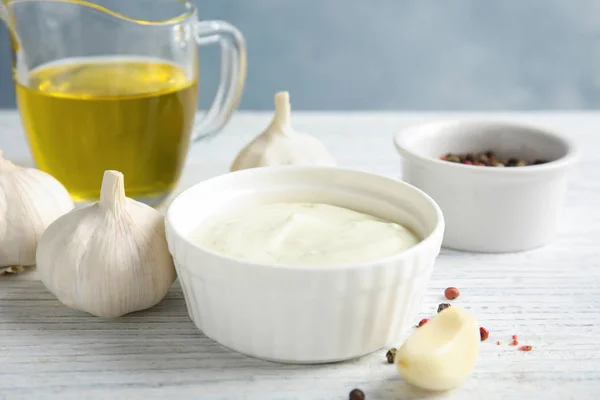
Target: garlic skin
x,y
280,144
109,258
441,354
30,200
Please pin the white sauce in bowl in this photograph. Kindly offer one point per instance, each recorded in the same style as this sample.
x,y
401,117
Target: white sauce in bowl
x,y
303,234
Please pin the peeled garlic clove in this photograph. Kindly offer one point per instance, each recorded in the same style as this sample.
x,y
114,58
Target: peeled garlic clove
x,y
30,200
280,144
109,258
441,353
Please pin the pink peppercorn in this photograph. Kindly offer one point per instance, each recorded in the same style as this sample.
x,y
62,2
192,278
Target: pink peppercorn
x,y
423,322
484,333
451,293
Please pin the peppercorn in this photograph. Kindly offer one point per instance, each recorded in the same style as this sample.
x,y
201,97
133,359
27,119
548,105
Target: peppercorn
x,y
515,341
443,306
422,322
484,159
356,394
525,348
538,161
490,154
390,355
451,293
512,161
522,163
484,333
453,158
498,164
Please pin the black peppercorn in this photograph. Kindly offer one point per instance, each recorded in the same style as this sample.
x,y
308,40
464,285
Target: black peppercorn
x,y
357,394
443,306
390,355
489,154
537,162
512,162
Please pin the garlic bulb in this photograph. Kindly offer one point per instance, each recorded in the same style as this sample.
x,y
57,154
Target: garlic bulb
x,y
30,200
109,258
280,144
442,353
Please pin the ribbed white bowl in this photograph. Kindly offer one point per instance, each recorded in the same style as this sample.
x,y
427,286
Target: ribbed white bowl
x,y
304,314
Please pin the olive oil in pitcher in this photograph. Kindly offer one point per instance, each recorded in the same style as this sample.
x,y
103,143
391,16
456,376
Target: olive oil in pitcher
x,y
87,115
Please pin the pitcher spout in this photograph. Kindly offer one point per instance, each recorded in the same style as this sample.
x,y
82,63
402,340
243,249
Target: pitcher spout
x,y
9,23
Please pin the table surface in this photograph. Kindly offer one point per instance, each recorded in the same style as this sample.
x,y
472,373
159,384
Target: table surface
x,y
550,297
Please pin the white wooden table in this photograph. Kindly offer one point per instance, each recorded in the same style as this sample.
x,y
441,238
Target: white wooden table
x,y
550,297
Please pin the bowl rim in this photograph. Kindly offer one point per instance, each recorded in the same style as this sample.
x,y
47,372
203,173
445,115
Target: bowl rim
x,y
426,242
572,151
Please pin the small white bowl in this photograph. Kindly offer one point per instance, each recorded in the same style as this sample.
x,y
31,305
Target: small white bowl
x,y
489,209
304,314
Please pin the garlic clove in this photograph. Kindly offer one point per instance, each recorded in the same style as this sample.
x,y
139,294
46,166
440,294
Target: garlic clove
x,y
280,144
109,258
441,353
30,200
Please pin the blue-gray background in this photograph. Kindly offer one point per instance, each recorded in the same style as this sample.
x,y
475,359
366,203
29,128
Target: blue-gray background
x,y
406,55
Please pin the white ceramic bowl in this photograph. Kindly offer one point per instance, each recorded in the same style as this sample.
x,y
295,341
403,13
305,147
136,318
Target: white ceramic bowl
x,y
489,209
304,314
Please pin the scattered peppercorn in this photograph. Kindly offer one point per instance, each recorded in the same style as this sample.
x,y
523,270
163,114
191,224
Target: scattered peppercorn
x,y
525,348
488,158
498,343
442,307
451,293
422,322
484,333
390,355
356,394
515,341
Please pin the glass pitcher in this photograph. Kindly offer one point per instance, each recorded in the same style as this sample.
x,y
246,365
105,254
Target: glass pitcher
x,y
112,84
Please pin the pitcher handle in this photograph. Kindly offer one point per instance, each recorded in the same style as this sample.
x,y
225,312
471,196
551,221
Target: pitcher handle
x,y
233,74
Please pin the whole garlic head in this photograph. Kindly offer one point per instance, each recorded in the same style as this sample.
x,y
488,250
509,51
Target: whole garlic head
x,y
280,144
109,258
30,200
